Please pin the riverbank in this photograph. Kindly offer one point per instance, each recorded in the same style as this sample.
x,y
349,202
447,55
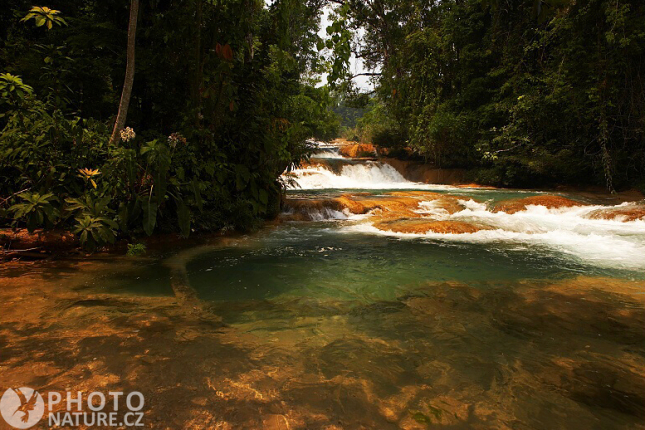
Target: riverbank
x,y
21,245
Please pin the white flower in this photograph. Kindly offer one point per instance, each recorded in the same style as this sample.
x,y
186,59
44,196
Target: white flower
x,y
175,138
127,134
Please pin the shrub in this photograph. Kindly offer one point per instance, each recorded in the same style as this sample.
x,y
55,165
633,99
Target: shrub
x,y
36,210
136,249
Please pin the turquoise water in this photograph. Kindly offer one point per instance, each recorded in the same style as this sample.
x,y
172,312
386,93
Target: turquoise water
x,y
319,260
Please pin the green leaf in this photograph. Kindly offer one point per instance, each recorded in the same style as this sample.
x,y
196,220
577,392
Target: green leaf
x,y
161,185
264,197
183,216
149,217
28,17
198,196
242,176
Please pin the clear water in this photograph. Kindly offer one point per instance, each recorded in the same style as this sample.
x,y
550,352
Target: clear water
x,y
325,262
331,326
335,325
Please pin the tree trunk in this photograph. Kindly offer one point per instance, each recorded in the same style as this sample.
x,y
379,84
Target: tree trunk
x,y
198,66
121,116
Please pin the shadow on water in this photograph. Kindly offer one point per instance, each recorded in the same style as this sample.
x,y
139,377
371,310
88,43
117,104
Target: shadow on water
x,y
446,355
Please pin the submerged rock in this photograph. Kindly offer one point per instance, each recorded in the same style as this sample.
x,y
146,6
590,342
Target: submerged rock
x,y
551,202
423,225
450,204
393,204
620,213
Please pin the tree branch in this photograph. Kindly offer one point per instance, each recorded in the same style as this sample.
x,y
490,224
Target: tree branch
x,y
365,74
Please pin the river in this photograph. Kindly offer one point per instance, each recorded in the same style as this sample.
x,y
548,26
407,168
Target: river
x,y
377,303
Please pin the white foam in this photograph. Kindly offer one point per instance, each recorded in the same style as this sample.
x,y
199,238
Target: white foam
x,y
324,214
540,219
321,144
604,243
368,175
328,214
331,153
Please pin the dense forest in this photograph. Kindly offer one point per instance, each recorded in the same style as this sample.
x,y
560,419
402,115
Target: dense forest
x,y
193,128
220,106
529,92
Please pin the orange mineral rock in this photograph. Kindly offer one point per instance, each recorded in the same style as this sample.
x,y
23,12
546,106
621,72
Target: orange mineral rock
x,y
423,225
403,203
551,202
392,204
358,150
621,213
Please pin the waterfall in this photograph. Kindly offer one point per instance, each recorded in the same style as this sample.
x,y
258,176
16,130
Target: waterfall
x,y
587,233
361,175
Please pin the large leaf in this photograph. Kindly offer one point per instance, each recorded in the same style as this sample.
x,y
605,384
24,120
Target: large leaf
x,y
264,197
183,216
198,196
149,217
242,176
160,185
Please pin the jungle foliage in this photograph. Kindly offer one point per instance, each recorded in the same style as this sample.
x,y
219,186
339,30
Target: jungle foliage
x,y
528,92
220,107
